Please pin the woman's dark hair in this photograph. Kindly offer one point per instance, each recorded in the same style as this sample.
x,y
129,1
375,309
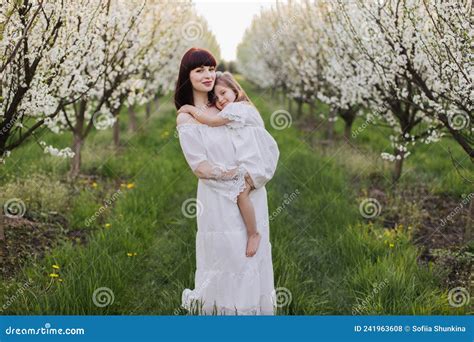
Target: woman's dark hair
x,y
192,59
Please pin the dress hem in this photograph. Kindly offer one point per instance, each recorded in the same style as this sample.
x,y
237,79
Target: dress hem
x,y
195,306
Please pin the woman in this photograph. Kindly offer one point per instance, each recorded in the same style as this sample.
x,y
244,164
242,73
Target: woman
x,y
226,281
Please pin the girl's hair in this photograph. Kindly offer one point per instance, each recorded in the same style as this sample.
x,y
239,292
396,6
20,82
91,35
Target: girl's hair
x,y
227,80
192,59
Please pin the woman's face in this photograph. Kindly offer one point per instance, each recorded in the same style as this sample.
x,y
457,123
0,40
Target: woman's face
x,y
224,96
203,78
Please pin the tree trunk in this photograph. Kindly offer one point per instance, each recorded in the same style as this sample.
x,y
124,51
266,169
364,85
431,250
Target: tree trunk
x,y
470,221
78,138
348,115
156,104
76,160
397,172
330,127
348,130
3,242
148,109
116,133
132,117
290,104
300,108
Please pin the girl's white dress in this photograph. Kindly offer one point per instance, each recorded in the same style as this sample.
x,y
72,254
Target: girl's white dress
x,y
226,281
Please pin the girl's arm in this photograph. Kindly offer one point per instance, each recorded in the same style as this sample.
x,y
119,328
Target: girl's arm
x,y
199,115
211,120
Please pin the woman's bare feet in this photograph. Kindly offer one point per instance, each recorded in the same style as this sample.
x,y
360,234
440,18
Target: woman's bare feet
x,y
253,242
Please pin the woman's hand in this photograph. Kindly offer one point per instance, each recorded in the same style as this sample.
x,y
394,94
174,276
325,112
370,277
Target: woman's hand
x,y
188,109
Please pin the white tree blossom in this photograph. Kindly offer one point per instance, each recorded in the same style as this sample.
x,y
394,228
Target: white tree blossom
x,y
408,62
72,65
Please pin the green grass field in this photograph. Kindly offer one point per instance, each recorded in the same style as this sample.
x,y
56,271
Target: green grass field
x,y
326,256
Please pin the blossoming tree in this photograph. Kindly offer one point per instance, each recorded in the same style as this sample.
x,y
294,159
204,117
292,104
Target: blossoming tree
x,y
407,62
72,65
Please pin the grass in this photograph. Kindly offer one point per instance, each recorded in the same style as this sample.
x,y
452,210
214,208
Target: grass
x,y
327,258
429,164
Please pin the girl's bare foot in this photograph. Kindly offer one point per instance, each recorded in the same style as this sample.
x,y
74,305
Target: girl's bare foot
x,y
253,242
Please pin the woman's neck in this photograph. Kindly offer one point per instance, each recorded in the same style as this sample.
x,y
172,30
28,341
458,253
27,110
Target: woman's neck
x,y
200,98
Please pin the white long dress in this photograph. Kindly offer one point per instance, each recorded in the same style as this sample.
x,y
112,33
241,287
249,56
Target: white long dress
x,y
226,281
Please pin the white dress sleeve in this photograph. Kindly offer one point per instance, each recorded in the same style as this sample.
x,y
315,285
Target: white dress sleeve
x,y
256,150
228,181
194,151
241,114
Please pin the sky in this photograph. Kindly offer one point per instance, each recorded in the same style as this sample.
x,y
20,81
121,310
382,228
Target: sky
x,y
228,20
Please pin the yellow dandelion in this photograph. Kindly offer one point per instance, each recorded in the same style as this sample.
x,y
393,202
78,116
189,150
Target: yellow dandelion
x,y
54,275
56,267
134,253
60,279
129,254
94,185
130,185
391,245
108,225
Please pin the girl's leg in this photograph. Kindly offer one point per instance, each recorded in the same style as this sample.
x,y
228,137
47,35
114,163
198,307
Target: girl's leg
x,y
248,214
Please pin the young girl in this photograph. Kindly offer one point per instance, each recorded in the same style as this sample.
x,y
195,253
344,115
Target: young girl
x,y
256,149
